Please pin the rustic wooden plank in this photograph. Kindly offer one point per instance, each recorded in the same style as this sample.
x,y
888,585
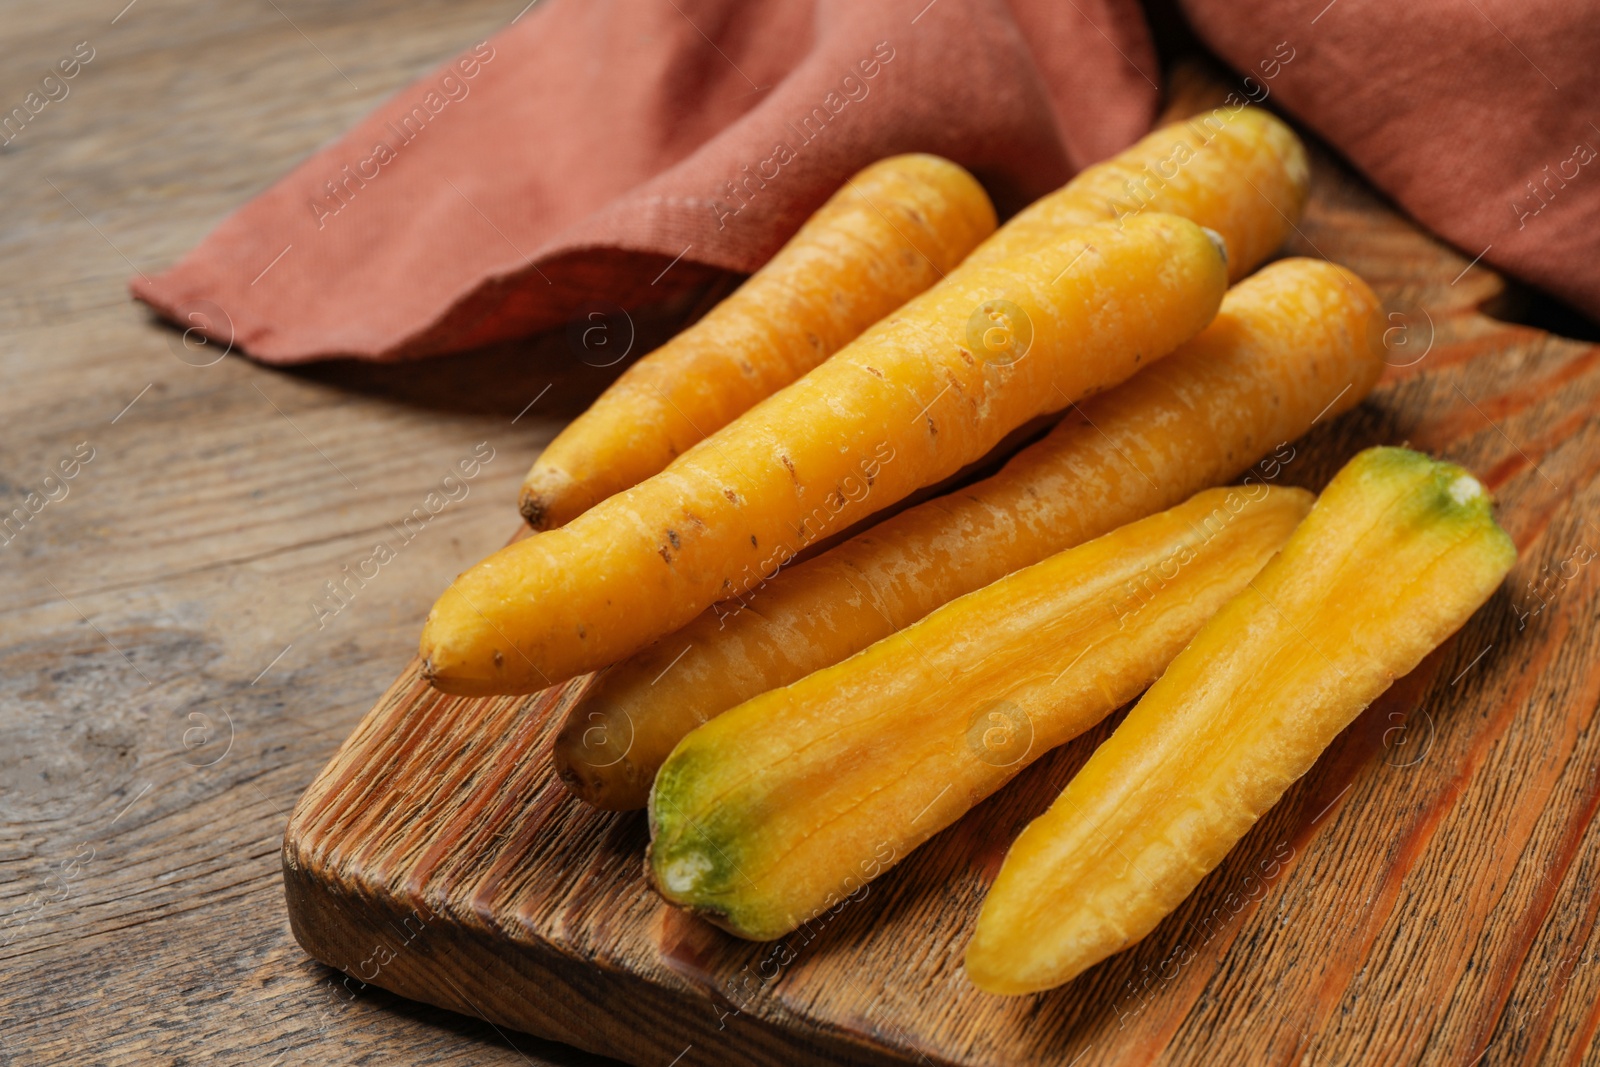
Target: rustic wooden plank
x,y
141,913
1425,894
141,904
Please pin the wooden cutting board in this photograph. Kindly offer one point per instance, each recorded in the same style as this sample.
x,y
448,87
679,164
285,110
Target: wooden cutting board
x,y
1426,893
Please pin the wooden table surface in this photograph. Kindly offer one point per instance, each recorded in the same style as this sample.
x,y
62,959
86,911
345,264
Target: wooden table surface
x,y
165,692
166,689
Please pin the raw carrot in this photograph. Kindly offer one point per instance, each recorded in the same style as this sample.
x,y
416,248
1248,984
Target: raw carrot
x,y
893,230
1397,553
1237,170
765,817
911,401
1291,344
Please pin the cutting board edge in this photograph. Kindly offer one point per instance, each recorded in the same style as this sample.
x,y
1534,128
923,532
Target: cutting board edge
x,y
378,936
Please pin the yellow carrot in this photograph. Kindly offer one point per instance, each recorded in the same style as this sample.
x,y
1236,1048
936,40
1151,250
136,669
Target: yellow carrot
x,y
1236,170
893,230
1397,553
1290,345
765,817
911,401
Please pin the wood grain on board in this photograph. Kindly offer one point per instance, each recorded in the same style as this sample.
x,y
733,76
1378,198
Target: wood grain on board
x,y
166,692
1425,894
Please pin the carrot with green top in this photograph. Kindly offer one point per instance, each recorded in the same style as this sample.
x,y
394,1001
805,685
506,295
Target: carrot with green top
x,y
1291,344
914,399
1398,552
765,817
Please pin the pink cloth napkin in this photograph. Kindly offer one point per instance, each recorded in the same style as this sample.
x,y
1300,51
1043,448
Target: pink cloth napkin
x,y
624,149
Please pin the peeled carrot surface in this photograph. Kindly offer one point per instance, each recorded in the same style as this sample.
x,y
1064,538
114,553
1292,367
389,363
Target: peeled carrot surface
x,y
769,815
1292,344
1238,171
1398,552
894,229
919,395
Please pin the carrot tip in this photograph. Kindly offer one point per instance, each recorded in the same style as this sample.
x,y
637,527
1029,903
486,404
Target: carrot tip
x,y
533,508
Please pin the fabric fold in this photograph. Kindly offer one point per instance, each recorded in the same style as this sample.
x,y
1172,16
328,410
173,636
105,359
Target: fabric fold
x,y
619,151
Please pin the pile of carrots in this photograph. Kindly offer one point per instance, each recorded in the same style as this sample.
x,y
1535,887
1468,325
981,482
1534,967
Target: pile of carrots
x,y
799,708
